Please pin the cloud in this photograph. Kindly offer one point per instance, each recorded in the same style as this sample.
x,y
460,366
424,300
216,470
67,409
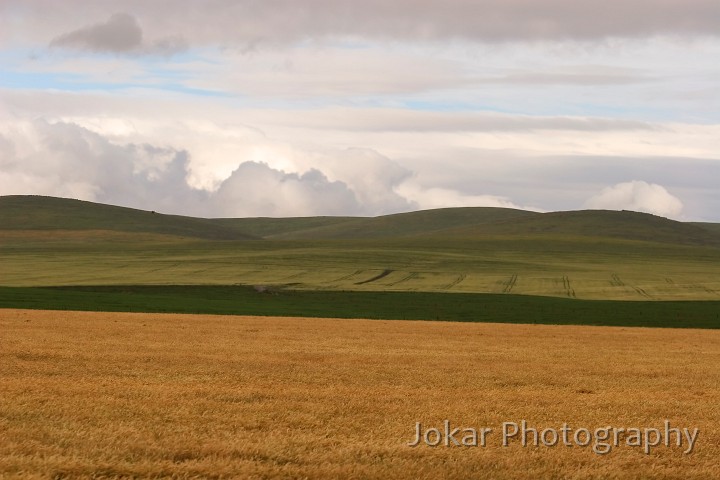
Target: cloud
x,y
65,159
435,197
255,189
121,33
398,120
373,177
247,22
637,196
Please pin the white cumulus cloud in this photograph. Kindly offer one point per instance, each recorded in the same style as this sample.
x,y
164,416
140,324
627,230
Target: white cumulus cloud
x,y
638,196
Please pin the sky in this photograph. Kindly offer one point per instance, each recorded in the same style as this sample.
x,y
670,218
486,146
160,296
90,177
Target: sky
x,y
243,108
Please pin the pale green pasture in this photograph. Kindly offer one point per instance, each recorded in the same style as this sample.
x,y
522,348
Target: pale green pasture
x,y
578,268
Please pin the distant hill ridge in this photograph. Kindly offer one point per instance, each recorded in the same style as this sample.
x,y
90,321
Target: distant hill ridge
x,y
30,212
23,212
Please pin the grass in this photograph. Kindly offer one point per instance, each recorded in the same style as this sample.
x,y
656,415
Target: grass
x,y
589,255
586,255
372,305
125,395
540,265
48,213
22,212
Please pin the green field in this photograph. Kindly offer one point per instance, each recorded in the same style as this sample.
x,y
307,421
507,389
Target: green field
x,y
580,268
587,255
240,300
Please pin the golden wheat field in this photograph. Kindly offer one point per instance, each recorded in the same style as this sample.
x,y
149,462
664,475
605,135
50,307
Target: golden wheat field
x,y
118,395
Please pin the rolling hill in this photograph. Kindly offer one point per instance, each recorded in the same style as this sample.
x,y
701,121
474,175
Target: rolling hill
x,y
49,213
48,241
403,225
29,212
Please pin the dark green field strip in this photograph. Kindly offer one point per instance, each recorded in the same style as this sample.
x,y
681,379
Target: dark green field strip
x,y
463,307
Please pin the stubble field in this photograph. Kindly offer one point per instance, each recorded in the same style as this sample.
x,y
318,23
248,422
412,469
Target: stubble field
x,y
103,395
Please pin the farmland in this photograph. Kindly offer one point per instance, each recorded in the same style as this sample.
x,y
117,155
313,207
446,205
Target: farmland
x,y
118,380
97,395
583,255
387,305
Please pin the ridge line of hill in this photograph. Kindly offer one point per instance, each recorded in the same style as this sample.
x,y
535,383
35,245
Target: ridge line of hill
x,y
26,212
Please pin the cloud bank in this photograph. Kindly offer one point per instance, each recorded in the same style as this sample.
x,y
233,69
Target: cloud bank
x,y
286,107
65,159
637,196
249,22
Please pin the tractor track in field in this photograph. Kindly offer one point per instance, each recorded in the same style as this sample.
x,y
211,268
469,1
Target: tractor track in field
x,y
616,281
569,291
641,292
347,277
458,280
510,284
692,287
377,277
703,288
407,277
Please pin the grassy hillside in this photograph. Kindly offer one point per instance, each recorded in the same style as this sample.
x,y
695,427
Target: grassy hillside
x,y
267,227
479,222
49,213
22,212
600,223
583,255
408,224
713,227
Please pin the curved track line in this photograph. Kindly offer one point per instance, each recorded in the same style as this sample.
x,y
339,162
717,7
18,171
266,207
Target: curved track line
x,y
384,274
458,280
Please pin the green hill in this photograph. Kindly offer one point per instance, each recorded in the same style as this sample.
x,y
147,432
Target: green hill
x,y
267,227
48,213
25,212
713,227
625,225
585,254
403,225
478,222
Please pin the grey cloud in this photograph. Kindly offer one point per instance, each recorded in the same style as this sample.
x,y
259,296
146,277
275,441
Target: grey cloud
x,y
72,161
249,22
65,159
121,33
